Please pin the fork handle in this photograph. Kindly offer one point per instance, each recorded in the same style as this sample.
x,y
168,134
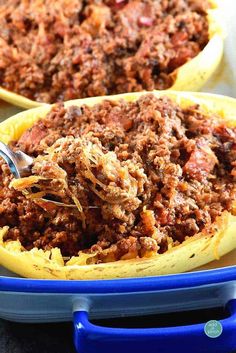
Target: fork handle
x,y
9,157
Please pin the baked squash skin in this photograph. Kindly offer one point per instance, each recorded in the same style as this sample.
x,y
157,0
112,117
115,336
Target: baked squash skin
x,y
189,77
193,252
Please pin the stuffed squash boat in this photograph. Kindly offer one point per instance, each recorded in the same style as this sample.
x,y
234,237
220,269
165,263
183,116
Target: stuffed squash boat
x,y
75,49
147,182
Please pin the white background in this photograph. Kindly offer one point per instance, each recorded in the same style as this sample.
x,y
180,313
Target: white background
x,y
224,80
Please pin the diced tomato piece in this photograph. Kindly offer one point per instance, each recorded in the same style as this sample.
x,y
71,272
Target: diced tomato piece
x,y
201,162
119,120
182,56
163,216
32,137
179,38
136,13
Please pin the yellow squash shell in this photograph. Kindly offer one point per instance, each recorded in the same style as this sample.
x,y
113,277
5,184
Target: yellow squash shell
x,y
193,252
189,77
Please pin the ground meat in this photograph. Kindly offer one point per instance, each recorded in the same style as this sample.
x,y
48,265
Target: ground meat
x,y
150,177
72,48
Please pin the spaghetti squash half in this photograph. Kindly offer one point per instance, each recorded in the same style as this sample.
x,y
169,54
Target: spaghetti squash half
x,y
76,49
147,182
